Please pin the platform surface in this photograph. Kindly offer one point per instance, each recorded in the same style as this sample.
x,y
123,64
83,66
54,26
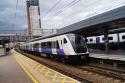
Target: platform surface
x,y
11,72
40,73
108,56
112,55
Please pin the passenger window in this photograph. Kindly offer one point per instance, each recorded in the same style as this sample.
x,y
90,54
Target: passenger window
x,y
103,38
110,38
61,41
65,41
36,45
123,37
91,39
57,44
86,40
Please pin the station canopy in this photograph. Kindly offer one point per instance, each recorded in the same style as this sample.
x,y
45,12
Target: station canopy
x,y
113,21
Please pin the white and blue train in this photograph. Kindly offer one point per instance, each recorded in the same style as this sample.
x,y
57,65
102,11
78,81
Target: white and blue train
x,y
68,47
116,41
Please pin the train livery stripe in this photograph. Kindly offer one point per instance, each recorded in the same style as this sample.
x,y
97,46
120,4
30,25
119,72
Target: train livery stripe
x,y
60,52
47,50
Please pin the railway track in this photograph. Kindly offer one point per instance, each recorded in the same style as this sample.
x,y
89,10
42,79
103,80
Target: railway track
x,y
118,74
85,74
106,72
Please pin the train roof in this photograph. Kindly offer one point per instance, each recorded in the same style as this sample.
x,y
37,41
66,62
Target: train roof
x,y
49,36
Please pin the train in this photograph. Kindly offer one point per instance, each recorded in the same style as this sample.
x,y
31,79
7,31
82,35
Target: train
x,y
65,48
116,41
4,47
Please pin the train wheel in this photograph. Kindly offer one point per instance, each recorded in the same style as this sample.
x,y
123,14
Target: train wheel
x,y
63,60
57,59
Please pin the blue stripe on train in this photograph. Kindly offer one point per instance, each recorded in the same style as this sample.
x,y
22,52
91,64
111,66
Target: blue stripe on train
x,y
60,52
36,49
47,50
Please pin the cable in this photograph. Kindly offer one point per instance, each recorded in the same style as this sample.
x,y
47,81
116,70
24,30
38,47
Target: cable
x,y
52,7
15,15
69,5
62,6
72,3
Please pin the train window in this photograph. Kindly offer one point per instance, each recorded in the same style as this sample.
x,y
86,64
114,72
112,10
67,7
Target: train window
x,y
110,38
53,45
123,37
57,44
49,44
86,40
103,38
91,39
42,45
36,45
61,41
65,41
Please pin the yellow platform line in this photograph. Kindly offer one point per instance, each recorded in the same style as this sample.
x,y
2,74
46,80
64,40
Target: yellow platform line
x,y
49,74
27,72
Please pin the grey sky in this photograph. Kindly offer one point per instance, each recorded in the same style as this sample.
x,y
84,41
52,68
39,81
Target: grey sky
x,y
82,10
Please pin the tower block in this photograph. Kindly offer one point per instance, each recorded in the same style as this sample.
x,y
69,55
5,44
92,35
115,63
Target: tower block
x,y
33,16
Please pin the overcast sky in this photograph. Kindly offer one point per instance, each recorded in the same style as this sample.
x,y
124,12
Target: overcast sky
x,y
80,11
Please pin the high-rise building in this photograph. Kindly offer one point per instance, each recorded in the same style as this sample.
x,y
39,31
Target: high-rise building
x,y
34,21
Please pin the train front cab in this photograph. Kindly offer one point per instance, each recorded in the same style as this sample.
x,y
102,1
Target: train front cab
x,y
79,46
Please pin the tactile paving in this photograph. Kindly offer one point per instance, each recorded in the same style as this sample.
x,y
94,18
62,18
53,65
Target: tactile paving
x,y
41,72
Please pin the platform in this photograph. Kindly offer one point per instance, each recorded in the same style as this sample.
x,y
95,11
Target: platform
x,y
108,56
118,55
40,73
11,72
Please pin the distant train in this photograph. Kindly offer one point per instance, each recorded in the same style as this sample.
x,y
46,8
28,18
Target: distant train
x,y
4,47
116,41
68,47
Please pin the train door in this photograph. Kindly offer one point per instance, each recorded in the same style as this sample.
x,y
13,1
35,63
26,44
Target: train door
x,y
122,37
122,40
97,40
53,47
65,48
61,44
60,50
40,49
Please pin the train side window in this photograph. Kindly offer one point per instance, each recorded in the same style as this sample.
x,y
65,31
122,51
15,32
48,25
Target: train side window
x,y
65,41
103,38
61,42
86,40
49,45
123,37
110,38
53,44
91,39
42,44
57,44
46,45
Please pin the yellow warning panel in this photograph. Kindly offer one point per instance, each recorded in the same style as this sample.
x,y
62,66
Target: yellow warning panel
x,y
40,72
